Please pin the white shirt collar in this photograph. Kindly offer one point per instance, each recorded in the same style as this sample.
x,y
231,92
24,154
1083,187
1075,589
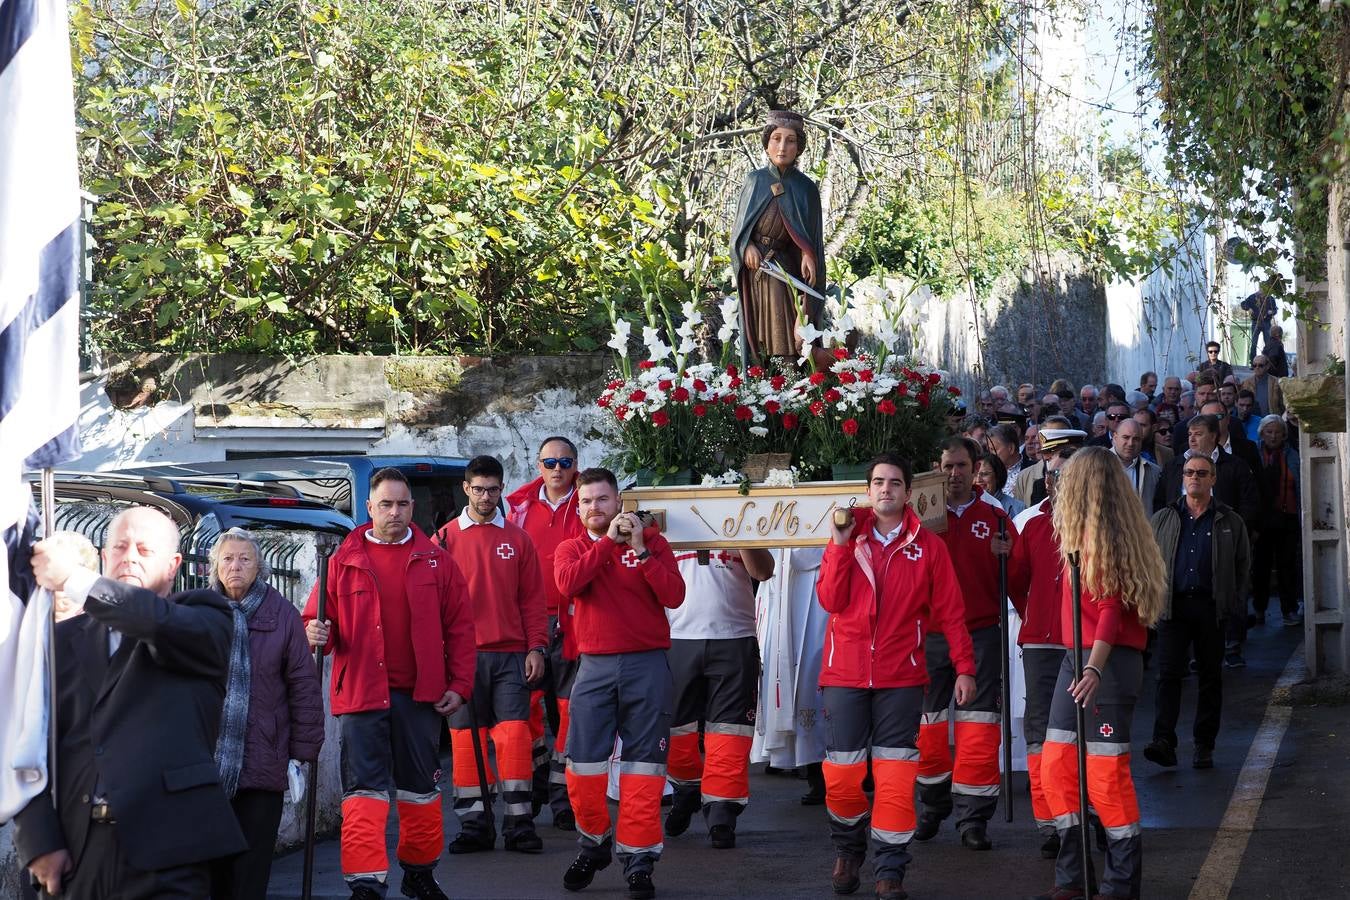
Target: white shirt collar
x,y
960,510
543,497
467,521
370,536
888,536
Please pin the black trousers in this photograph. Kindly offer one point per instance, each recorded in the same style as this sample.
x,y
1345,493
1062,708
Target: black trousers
x,y
244,876
1279,547
1191,626
103,873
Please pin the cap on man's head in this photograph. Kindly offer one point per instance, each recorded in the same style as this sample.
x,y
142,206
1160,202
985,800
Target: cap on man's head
x,y
1058,438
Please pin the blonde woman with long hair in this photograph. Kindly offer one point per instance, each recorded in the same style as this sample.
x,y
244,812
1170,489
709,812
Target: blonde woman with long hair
x,y
1098,516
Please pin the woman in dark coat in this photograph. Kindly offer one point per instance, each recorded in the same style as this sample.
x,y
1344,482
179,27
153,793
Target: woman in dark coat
x,y
778,219
273,710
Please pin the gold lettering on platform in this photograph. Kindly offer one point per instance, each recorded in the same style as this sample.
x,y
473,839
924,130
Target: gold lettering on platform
x,y
782,519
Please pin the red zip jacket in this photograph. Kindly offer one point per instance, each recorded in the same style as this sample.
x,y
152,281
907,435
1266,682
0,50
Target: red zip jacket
x,y
507,588
548,527
882,601
442,626
967,538
618,602
1035,570
1104,619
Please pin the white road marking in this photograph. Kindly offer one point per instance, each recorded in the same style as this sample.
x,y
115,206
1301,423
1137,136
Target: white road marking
x,y
1230,842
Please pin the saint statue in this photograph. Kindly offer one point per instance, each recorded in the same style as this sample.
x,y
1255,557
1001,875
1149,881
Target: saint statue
x,y
778,220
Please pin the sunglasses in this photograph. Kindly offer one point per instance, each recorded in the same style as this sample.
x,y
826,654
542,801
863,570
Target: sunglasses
x,y
554,462
1163,429
1118,417
1195,473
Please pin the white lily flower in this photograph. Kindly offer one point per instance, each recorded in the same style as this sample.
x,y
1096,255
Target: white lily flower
x,y
657,349
691,314
759,431
622,329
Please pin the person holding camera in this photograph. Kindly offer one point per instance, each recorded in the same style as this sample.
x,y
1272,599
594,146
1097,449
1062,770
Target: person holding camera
x,y
618,580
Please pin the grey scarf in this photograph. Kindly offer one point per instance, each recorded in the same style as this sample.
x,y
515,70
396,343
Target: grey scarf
x,y
234,716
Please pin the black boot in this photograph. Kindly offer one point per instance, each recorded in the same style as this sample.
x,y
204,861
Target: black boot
x,y
420,883
815,781
582,872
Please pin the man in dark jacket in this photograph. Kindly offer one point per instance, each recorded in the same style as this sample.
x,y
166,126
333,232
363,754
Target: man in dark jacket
x,y
1204,546
1235,486
140,681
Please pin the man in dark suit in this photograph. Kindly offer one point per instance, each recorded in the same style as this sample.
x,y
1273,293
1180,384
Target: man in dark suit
x,y
140,681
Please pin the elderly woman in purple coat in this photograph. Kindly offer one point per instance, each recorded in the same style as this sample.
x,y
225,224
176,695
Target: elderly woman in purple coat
x,y
273,710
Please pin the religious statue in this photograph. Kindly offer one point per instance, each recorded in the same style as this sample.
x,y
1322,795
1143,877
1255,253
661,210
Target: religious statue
x,y
778,224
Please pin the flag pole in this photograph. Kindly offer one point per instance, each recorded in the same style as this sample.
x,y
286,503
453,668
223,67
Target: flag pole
x,y
1080,713
48,492
325,550
1005,629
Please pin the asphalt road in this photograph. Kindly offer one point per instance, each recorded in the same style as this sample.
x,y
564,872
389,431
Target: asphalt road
x,y
784,852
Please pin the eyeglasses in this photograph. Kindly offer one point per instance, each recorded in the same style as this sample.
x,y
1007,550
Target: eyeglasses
x,y
553,462
480,491
1258,365
1195,473
1163,429
1118,417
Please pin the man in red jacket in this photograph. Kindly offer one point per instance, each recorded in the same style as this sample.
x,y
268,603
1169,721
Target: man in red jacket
x,y
885,580
1035,576
978,532
618,580
506,586
547,509
400,627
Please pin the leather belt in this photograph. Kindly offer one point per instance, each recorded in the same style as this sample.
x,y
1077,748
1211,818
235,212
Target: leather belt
x,y
101,813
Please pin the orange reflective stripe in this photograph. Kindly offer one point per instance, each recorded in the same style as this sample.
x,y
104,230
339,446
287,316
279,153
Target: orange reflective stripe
x,y
363,848
684,762
515,761
639,810
844,796
935,753
463,763
977,745
726,774
1111,790
420,830
536,715
1040,806
564,717
589,803
1059,777
893,802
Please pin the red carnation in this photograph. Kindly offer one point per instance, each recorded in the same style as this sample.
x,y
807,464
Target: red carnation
x,y
923,399
841,353
743,414
680,394
755,372
664,384
637,396
616,383
865,375
734,383
777,382
772,406
833,396
903,390
603,401
850,427
620,412
847,378
934,378
817,408
733,371
700,410
660,419
909,373
886,408
817,377
789,421
728,399
954,391
700,385
646,364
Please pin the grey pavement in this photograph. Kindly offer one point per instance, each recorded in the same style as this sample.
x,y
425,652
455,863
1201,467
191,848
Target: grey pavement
x,y
784,851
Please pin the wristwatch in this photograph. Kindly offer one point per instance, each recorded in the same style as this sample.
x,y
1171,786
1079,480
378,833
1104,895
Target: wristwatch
x,y
644,554
540,650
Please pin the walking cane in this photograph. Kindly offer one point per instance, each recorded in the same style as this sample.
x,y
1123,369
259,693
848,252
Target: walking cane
x,y
325,550
1005,628
481,762
1080,712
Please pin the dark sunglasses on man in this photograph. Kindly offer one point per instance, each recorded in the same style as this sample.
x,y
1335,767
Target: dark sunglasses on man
x,y
553,462
1118,417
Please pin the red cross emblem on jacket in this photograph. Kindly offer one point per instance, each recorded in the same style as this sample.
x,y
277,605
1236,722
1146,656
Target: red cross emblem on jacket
x,y
630,558
912,551
506,551
1106,730
980,529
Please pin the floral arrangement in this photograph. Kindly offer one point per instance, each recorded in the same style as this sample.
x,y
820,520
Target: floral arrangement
x,y
676,420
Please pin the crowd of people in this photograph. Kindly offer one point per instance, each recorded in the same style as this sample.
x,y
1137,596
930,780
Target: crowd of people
x,y
550,627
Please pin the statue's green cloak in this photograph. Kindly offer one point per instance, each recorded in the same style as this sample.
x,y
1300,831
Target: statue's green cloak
x,y
799,203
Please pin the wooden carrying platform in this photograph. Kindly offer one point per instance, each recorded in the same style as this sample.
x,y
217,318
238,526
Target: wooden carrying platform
x,y
693,517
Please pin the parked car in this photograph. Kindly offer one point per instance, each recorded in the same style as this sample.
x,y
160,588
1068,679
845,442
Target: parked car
x,y
288,524
343,480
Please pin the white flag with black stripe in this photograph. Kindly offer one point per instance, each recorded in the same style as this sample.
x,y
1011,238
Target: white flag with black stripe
x,y
39,351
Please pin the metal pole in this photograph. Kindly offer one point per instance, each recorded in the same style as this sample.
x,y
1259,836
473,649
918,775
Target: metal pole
x,y
48,491
1080,713
325,549
480,761
1005,628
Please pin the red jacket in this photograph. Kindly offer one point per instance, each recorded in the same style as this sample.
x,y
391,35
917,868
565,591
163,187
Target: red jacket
x,y
1035,571
1104,619
883,601
442,626
502,571
619,602
547,528
967,538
